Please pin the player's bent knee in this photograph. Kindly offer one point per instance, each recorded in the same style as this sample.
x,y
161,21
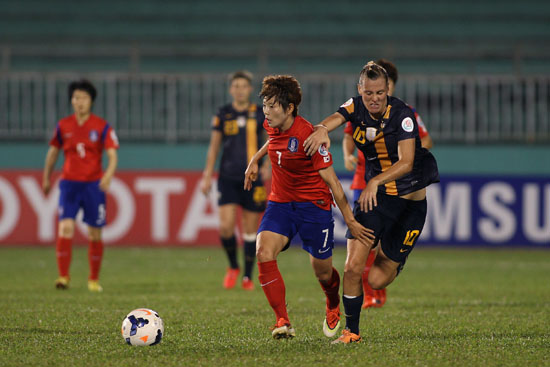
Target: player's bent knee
x,y
264,254
380,279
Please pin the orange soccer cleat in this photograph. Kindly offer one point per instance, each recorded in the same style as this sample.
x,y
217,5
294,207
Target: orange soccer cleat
x,y
347,337
332,321
247,284
283,330
230,278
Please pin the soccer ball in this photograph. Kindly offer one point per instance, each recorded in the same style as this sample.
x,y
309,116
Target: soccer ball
x,y
142,327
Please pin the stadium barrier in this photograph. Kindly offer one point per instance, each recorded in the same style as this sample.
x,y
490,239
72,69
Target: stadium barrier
x,y
179,107
167,209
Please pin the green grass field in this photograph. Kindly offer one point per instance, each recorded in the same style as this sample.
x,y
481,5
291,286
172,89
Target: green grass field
x,y
448,308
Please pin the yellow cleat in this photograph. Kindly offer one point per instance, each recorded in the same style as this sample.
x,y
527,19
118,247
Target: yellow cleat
x,y
93,286
62,283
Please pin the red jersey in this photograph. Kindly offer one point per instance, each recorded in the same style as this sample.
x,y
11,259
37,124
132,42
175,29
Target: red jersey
x,y
295,175
83,146
359,182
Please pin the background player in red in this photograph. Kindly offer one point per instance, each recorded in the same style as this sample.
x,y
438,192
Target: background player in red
x,y
82,136
299,202
237,128
374,297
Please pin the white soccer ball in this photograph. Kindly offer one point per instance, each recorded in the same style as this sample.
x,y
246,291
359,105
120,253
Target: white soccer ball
x,y
142,327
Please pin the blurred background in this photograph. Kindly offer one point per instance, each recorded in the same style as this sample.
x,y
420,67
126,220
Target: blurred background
x,y
478,72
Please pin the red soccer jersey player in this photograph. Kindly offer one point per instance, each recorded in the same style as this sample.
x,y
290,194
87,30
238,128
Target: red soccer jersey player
x,y
300,202
82,136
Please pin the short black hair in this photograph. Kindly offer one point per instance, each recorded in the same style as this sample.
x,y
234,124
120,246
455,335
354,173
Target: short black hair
x,y
285,89
241,74
82,84
390,69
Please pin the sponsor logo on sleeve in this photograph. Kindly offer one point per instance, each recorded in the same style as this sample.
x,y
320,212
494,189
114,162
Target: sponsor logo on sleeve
x,y
323,150
347,103
407,124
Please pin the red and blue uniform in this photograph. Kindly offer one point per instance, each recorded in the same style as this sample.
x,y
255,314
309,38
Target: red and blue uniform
x,y
83,147
300,200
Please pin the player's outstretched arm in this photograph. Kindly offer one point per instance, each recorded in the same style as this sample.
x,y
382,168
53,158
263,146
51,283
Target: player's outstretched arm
x,y
105,181
320,134
51,158
213,150
251,173
365,235
348,148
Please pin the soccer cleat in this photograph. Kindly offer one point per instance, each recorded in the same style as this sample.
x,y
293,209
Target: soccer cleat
x,y
347,337
93,286
381,296
247,284
283,330
230,278
371,302
62,283
332,322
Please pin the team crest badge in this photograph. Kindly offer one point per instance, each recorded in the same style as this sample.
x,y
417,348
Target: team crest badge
x,y
93,135
407,124
293,144
370,133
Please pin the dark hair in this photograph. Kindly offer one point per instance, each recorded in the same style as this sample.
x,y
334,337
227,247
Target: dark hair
x,y
84,85
390,69
373,71
241,74
284,88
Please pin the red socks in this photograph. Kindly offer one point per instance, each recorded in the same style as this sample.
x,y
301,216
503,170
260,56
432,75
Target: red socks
x,y
274,287
95,254
367,289
331,289
63,254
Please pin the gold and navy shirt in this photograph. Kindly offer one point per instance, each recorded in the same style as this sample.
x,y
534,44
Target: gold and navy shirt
x,y
242,137
378,140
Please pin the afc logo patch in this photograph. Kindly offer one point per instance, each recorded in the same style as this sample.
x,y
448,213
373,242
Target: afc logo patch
x,y
93,136
293,144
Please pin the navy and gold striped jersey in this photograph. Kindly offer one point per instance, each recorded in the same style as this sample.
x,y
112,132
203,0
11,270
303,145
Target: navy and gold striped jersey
x,y
242,137
378,140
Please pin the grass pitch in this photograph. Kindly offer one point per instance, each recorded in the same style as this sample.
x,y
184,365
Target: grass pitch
x,y
449,307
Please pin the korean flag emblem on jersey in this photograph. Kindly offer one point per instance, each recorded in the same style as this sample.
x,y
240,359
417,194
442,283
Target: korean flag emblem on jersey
x,y
93,135
407,124
293,144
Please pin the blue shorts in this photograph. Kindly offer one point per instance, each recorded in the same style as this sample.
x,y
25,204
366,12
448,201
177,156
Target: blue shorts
x,y
74,195
315,225
356,194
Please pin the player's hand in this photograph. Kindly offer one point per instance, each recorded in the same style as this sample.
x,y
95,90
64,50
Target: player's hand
x,y
104,183
364,235
250,175
350,162
367,200
318,137
46,186
206,185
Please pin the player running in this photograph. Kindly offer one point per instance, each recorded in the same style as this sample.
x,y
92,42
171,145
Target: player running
x,y
299,202
394,202
82,136
374,297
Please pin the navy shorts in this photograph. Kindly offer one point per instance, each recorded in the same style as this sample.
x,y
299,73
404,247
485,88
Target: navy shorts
x,y
315,225
397,224
233,192
74,195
